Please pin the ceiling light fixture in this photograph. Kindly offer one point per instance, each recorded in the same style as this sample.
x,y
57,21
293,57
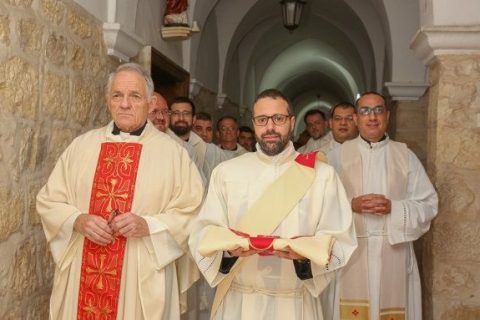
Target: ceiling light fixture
x,y
292,12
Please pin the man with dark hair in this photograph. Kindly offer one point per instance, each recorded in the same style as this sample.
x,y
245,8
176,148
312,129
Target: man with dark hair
x,y
393,203
203,126
227,135
205,155
280,194
182,110
115,212
316,125
246,138
342,127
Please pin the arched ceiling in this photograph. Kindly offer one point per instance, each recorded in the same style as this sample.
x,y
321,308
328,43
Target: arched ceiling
x,y
340,48
329,58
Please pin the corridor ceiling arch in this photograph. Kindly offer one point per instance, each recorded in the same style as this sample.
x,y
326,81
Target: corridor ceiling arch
x,y
346,40
302,58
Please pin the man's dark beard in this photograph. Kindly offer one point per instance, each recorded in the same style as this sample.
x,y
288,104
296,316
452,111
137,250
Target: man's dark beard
x,y
274,148
180,130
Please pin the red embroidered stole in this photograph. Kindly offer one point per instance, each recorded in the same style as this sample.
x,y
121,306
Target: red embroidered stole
x,y
113,188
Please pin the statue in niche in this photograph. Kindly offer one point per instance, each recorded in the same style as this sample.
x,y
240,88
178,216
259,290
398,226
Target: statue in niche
x,y
175,13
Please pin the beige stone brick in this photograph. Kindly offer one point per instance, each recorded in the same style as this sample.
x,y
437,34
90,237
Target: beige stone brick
x,y
24,145
59,140
84,96
97,67
79,24
40,147
19,87
24,277
20,3
98,44
101,114
46,262
30,35
458,192
5,29
56,49
459,146
33,189
16,146
55,97
38,307
54,10
77,58
457,281
450,239
462,312
11,211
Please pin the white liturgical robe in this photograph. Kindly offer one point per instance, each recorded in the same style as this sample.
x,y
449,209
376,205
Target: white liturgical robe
x,y
314,145
235,153
205,155
168,193
329,144
267,287
409,219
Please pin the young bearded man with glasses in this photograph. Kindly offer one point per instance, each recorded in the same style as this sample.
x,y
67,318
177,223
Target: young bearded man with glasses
x,y
393,203
205,155
275,226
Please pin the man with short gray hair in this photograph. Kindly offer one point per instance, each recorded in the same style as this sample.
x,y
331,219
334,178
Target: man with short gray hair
x,y
116,210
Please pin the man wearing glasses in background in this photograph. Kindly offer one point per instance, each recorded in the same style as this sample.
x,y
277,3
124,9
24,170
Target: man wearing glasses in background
x,y
275,225
205,155
227,135
342,126
159,114
393,203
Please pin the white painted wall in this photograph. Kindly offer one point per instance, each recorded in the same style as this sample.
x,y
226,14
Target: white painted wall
x,y
449,12
403,18
207,57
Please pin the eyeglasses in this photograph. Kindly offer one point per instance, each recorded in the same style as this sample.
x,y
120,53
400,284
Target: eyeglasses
x,y
156,113
179,114
278,119
340,118
365,111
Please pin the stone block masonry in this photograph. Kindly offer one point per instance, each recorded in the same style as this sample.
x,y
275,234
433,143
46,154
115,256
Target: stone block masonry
x,y
53,67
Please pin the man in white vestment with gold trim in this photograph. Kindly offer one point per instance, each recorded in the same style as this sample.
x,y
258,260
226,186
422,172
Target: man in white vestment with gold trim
x,y
116,212
275,225
393,203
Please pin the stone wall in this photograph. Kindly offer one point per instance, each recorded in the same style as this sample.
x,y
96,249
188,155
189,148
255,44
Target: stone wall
x,y
452,248
53,65
409,123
